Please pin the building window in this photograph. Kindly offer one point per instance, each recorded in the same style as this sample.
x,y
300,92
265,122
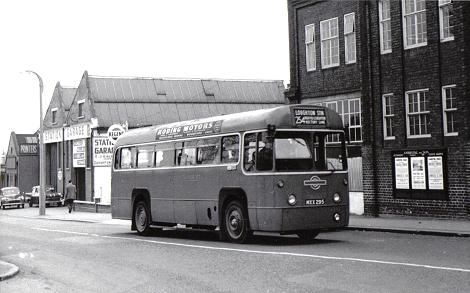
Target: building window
x,y
329,43
388,104
385,27
310,47
417,118
80,108
54,115
414,23
445,7
350,112
349,38
449,102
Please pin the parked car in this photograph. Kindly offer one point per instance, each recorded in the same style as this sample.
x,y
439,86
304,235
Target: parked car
x,y
11,197
52,197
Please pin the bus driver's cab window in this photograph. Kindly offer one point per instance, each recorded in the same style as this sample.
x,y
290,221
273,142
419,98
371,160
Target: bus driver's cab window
x,y
258,153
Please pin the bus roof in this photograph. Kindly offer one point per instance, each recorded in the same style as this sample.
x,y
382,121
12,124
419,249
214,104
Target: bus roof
x,y
289,116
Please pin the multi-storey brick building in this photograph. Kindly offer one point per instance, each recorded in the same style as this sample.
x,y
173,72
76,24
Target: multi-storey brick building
x,y
411,73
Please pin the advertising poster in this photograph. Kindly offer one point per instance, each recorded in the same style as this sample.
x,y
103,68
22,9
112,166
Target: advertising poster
x,y
418,175
435,173
102,151
402,176
79,153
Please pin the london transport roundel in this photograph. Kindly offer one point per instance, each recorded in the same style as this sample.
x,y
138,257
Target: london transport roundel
x,y
114,131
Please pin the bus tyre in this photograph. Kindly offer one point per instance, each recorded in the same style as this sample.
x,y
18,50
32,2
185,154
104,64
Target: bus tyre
x,y
235,226
142,218
308,235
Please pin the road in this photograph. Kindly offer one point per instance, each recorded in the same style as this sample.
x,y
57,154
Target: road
x,y
64,256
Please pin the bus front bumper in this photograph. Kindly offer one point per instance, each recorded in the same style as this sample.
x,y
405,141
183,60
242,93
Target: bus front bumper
x,y
285,220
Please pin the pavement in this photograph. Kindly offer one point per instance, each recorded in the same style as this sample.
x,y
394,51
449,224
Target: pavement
x,y
395,224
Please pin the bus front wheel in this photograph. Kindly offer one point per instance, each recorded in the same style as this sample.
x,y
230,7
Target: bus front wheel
x,y
235,227
142,218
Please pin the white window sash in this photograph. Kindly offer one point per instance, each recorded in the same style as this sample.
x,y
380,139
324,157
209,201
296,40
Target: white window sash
x,y
385,116
442,6
414,14
382,21
310,59
327,43
349,37
446,110
415,114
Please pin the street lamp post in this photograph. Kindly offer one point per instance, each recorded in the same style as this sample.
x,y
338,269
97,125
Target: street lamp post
x,y
42,153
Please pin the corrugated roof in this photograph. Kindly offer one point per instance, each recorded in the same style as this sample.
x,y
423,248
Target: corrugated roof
x,y
151,101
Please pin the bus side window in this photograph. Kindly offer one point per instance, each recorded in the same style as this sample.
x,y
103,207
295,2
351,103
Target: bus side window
x,y
126,158
164,155
145,157
117,158
265,152
207,150
249,156
230,149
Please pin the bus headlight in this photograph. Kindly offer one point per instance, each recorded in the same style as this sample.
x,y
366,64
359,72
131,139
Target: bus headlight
x,y
336,197
280,183
292,200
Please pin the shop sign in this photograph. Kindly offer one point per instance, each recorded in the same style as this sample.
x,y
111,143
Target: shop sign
x,y
115,131
103,149
402,177
309,117
79,153
189,130
28,149
77,131
53,135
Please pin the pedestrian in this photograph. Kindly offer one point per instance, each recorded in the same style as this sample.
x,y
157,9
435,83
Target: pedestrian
x,y
70,195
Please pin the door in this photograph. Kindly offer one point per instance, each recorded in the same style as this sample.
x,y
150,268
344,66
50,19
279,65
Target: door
x,y
80,183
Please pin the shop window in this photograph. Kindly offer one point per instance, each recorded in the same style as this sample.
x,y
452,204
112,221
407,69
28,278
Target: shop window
x,y
349,38
329,37
414,23
385,27
310,52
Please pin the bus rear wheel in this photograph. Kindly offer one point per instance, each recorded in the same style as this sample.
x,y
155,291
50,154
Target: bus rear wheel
x,y
308,235
235,227
142,218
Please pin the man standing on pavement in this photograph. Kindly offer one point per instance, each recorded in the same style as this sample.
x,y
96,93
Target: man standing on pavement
x,y
70,195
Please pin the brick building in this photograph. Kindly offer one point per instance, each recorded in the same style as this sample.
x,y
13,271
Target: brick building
x,y
22,162
417,151
411,75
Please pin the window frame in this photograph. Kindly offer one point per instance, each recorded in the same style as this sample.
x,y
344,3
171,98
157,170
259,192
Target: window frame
x,y
445,110
54,115
443,5
427,112
310,43
80,105
347,34
414,14
389,116
322,40
381,25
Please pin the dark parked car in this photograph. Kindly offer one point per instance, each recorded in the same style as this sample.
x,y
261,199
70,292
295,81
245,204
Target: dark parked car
x,y
11,197
52,197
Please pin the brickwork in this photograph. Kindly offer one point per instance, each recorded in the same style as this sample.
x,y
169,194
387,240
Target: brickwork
x,y
428,67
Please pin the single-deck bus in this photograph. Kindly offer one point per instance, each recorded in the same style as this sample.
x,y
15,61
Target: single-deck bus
x,y
281,170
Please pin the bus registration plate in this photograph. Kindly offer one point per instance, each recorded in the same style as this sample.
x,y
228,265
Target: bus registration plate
x,y
315,202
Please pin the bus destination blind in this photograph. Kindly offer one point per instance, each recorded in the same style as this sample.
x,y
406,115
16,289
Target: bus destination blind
x,y
309,117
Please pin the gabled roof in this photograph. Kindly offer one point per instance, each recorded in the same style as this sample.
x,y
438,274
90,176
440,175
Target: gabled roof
x,y
68,93
141,101
61,100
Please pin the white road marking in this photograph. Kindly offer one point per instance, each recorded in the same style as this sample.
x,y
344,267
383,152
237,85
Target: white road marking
x,y
264,252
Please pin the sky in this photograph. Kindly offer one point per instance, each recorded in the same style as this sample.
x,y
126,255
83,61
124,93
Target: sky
x,y
60,39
